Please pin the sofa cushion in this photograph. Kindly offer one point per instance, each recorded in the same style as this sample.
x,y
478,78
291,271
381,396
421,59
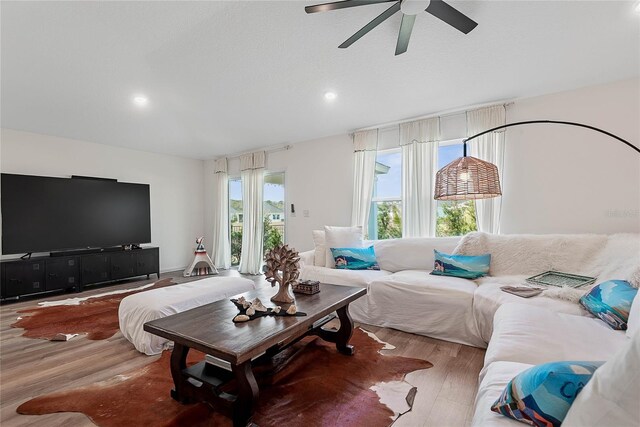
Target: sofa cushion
x,y
619,259
542,395
489,297
417,302
529,254
340,237
415,253
535,335
320,248
611,397
497,377
355,258
463,266
334,276
611,302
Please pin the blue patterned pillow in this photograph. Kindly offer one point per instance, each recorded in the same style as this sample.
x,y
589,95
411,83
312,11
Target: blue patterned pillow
x,y
542,395
611,302
355,258
464,266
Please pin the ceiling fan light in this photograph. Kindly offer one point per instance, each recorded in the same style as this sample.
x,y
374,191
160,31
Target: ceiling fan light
x,y
413,7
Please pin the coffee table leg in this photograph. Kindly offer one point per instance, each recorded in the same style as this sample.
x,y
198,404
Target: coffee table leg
x,y
343,335
178,364
247,394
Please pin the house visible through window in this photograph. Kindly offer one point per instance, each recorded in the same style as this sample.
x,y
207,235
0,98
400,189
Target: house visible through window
x,y
235,218
272,209
455,218
385,218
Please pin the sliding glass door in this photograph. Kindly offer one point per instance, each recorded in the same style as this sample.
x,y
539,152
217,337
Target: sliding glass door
x,y
235,219
273,213
273,210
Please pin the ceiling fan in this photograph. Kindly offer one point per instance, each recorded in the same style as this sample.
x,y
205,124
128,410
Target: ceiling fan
x,y
409,8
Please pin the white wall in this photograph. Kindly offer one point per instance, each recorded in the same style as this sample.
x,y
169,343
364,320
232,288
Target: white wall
x,y
176,184
564,179
318,178
557,179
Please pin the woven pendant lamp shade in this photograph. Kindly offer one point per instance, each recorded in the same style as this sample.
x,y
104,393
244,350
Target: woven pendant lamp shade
x,y
467,178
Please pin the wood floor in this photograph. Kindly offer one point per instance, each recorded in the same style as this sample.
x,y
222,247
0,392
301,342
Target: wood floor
x,y
32,367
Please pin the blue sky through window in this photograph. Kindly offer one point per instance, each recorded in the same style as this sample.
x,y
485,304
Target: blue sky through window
x,y
448,153
390,184
273,192
235,189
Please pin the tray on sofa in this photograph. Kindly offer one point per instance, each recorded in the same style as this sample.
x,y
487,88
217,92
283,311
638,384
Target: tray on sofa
x,y
557,278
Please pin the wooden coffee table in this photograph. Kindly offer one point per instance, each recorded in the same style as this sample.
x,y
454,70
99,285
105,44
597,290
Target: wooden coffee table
x,y
210,330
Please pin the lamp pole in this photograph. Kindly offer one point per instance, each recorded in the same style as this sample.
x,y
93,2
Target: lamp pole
x,y
470,178
557,122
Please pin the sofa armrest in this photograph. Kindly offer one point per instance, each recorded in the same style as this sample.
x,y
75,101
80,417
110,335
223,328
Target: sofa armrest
x,y
307,258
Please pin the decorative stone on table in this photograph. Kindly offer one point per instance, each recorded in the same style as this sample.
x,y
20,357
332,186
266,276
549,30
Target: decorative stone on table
x,y
282,266
250,310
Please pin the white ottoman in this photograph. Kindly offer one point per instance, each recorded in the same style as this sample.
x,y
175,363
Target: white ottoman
x,y
137,309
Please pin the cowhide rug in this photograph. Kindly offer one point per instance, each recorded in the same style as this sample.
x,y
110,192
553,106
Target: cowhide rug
x,y
317,387
95,316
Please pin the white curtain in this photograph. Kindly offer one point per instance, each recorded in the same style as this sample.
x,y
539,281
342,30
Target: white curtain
x,y
365,145
419,142
489,147
252,173
221,244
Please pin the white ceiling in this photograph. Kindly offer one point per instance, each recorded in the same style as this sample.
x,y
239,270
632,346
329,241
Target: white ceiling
x,y
225,77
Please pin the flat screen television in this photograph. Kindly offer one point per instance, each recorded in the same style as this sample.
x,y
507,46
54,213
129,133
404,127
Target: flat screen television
x,y
41,214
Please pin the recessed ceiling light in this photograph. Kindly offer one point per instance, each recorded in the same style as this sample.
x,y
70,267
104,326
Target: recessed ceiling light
x,y
330,96
638,7
140,100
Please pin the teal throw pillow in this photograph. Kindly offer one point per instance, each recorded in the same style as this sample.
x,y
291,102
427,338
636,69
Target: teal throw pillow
x,y
464,266
355,258
611,302
541,395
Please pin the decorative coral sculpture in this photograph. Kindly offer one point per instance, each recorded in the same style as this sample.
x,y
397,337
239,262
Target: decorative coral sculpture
x,y
282,266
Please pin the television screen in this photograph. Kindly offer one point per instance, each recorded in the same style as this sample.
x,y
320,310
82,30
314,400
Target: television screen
x,y
41,214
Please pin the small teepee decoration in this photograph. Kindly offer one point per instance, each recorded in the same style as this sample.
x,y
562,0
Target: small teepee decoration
x,y
282,267
202,264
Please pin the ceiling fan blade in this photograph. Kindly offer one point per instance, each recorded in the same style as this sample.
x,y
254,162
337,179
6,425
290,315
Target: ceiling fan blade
x,y
324,7
451,16
371,25
405,33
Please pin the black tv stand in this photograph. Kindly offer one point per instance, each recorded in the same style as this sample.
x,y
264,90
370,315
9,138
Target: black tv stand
x,y
73,271
26,256
86,251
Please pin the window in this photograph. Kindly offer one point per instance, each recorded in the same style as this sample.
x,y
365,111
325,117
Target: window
x,y
273,210
455,218
385,218
235,218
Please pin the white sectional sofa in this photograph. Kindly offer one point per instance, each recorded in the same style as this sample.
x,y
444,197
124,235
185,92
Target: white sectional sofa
x,y
525,336
518,333
403,295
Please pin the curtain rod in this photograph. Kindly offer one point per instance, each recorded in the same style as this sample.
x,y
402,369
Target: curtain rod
x,y
267,151
446,113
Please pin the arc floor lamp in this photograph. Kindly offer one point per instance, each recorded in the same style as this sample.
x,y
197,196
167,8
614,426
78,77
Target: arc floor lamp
x,y
469,178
